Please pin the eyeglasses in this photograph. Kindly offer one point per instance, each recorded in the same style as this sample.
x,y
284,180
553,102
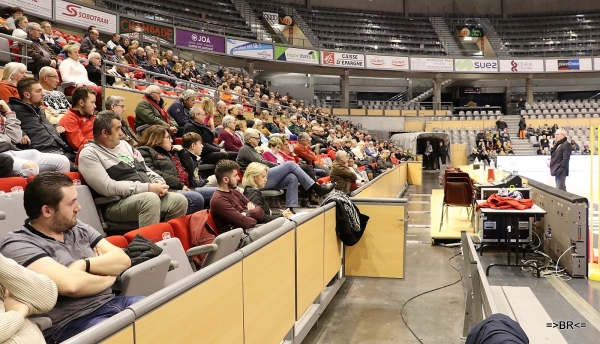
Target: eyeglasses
x,y
52,76
255,137
120,105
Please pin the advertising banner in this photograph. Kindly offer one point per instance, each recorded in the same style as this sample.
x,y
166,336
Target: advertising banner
x,y
278,19
596,63
473,32
133,27
39,8
387,62
82,16
249,49
569,64
431,64
297,55
200,41
346,60
522,66
476,65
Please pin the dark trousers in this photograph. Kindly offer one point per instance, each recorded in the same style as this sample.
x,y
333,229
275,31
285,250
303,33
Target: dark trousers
x,y
37,65
6,165
561,182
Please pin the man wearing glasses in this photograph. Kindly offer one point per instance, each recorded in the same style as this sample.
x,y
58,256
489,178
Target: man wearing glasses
x,y
39,51
560,154
150,111
55,102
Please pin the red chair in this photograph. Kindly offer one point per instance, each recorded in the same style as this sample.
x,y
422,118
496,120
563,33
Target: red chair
x,y
140,88
181,228
8,183
178,141
324,180
118,240
131,122
153,232
362,168
76,175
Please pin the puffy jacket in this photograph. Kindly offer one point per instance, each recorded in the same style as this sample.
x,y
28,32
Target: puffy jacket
x,y
160,161
36,126
343,176
8,90
256,197
248,154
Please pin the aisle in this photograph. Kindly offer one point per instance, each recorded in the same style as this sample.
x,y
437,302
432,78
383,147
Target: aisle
x,y
367,310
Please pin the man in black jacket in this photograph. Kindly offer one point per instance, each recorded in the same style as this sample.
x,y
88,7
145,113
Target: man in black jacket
x,y
38,131
211,153
500,124
560,154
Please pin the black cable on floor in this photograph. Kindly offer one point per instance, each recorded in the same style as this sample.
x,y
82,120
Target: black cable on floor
x,y
427,292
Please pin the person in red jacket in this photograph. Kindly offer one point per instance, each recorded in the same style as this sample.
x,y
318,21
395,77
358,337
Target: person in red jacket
x,y
231,209
79,119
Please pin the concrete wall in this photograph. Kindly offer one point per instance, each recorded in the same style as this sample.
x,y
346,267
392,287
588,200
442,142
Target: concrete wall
x,y
371,5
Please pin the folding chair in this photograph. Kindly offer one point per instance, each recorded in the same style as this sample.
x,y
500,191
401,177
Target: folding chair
x,y
458,192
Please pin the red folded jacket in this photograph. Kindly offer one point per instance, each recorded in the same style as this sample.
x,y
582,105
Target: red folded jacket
x,y
499,202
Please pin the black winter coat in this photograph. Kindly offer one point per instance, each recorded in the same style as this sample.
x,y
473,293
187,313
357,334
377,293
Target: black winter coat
x,y
497,329
160,161
560,155
36,126
256,197
208,137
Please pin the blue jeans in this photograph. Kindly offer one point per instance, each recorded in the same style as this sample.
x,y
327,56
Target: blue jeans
x,y
112,307
198,198
287,176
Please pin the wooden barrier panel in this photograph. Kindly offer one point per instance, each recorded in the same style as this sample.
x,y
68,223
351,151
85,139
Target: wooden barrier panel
x,y
415,173
380,252
392,113
309,262
374,112
414,126
269,292
409,113
332,248
385,186
358,112
125,336
213,311
342,112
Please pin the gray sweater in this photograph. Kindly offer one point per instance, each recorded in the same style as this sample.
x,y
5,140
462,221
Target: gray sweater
x,y
248,154
120,171
10,131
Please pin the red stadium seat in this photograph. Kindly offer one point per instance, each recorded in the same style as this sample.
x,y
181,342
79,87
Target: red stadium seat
x,y
154,232
76,175
181,228
118,240
178,141
140,88
324,180
8,183
362,168
131,122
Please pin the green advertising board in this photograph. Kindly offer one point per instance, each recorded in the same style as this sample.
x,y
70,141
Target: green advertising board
x,y
133,27
289,54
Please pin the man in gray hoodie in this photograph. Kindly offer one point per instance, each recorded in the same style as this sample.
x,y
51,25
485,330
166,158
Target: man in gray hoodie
x,y
116,170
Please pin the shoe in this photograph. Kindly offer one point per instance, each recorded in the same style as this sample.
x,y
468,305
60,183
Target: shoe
x,y
322,190
292,210
306,204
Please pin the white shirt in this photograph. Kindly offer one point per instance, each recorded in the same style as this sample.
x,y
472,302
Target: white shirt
x,y
19,33
73,71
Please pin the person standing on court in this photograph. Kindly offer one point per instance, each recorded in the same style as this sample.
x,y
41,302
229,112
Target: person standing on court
x,y
560,154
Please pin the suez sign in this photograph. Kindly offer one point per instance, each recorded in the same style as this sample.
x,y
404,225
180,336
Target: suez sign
x,y
484,66
82,16
347,60
387,62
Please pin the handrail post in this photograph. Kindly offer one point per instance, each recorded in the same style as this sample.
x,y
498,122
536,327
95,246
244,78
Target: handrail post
x,y
477,299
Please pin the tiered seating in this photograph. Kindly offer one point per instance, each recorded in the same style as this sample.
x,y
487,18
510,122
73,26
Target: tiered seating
x,y
373,32
562,109
212,16
550,35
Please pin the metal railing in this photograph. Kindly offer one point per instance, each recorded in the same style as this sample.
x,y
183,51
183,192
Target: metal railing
x,y
16,40
387,108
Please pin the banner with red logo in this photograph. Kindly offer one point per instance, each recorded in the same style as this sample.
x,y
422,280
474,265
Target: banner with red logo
x,y
38,8
344,60
82,16
387,62
522,66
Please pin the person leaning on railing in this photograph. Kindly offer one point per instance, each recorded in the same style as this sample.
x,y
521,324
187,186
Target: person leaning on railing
x,y
121,76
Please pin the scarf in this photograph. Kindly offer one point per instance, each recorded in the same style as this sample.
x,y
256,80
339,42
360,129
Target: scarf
x,y
160,110
557,144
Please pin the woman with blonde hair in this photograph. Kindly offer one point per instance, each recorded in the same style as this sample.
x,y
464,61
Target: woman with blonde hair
x,y
234,111
13,73
209,112
255,178
71,71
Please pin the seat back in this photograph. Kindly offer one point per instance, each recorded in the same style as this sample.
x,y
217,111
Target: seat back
x,y
12,206
173,248
6,184
4,46
457,193
153,232
118,240
227,243
145,278
88,213
181,229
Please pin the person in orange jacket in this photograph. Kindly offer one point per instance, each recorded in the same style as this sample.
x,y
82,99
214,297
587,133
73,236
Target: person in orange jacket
x,y
79,119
